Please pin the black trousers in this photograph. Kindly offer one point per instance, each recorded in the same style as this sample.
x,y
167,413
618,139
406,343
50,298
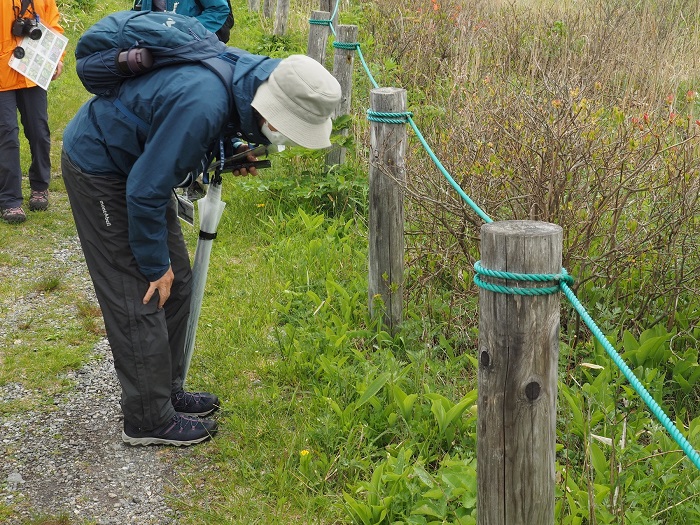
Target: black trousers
x,y
32,104
147,343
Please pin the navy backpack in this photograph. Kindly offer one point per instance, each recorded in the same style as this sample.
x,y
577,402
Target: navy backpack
x,y
129,43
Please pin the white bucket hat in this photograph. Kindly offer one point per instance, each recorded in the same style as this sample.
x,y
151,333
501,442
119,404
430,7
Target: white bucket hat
x,y
298,99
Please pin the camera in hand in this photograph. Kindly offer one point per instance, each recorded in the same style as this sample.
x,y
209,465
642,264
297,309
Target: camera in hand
x,y
26,27
134,61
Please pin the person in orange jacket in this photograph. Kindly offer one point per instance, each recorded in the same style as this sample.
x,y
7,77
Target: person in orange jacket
x,y
17,92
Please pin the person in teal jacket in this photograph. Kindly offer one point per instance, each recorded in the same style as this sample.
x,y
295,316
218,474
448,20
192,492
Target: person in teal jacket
x,y
211,14
120,166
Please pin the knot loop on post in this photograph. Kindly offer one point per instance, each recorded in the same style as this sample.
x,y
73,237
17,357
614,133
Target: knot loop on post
x,y
562,277
388,118
315,22
346,45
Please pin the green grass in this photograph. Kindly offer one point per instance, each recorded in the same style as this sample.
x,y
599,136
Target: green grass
x,y
326,418
264,421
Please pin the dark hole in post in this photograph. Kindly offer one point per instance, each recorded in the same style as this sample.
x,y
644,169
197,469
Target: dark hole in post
x,y
532,390
485,359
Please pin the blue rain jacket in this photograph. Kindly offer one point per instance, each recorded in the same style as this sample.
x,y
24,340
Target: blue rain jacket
x,y
187,109
211,13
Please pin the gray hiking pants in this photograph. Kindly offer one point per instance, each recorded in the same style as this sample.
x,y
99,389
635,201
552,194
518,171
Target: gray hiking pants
x,y
147,343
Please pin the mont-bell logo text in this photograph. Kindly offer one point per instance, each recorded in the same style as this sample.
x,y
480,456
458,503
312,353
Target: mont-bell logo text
x,y
104,212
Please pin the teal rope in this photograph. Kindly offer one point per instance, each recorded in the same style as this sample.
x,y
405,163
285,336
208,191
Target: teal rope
x,y
346,45
509,290
401,118
328,23
316,22
333,15
636,384
335,10
356,47
526,277
449,178
364,65
531,277
388,118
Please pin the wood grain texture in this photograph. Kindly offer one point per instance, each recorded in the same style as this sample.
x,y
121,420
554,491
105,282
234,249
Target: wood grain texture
x,y
387,172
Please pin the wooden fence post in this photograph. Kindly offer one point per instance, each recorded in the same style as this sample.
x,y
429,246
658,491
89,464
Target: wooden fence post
x,y
282,17
518,353
386,225
254,5
318,37
268,7
343,61
329,5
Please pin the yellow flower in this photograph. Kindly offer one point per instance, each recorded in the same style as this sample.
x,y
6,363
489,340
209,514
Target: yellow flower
x,y
304,453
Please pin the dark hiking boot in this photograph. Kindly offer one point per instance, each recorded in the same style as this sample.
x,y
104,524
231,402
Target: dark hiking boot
x,y
195,403
179,431
13,215
39,200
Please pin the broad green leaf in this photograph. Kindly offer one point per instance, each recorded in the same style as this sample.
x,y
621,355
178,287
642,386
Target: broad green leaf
x,y
629,343
600,464
373,389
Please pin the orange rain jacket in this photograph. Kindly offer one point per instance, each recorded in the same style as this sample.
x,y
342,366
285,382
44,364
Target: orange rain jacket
x,y
48,15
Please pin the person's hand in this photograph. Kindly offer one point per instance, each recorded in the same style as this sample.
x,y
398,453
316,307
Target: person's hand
x,y
250,158
163,286
59,70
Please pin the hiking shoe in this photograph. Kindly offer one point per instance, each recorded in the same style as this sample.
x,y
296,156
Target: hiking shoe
x,y
195,403
39,200
179,431
13,215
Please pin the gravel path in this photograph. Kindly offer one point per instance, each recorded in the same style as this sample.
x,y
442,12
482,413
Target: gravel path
x,y
70,459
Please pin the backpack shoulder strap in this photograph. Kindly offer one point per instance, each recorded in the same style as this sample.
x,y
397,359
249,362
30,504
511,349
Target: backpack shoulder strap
x,y
221,66
140,123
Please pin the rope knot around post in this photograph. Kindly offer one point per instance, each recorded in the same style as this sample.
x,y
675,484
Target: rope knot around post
x,y
350,46
388,118
315,22
562,277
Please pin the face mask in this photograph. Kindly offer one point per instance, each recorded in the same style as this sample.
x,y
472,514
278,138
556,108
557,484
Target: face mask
x,y
275,137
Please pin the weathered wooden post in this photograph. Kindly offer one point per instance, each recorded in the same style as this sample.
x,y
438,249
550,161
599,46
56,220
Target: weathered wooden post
x,y
518,353
268,7
318,37
386,225
254,5
282,17
343,61
329,5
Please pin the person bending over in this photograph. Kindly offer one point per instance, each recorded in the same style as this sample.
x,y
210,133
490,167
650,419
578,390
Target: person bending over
x,y
120,174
